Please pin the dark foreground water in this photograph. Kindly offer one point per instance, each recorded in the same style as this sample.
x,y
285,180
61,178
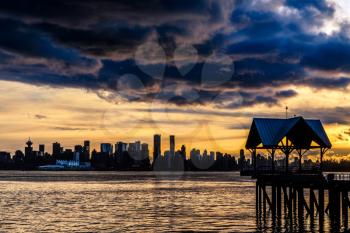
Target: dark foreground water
x,y
132,202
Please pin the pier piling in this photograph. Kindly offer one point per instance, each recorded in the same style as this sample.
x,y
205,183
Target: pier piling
x,y
291,190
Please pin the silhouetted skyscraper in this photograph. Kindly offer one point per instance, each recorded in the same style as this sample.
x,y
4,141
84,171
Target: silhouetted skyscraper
x,y
241,161
183,152
144,151
120,147
56,150
42,149
172,145
29,149
78,148
86,151
107,148
156,146
78,153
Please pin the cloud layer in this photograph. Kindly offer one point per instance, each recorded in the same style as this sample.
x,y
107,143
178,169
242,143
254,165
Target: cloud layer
x,y
231,54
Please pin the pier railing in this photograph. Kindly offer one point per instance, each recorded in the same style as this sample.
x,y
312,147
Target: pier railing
x,y
250,171
339,177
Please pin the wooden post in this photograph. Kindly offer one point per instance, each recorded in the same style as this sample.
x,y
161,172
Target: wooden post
x,y
294,199
300,207
290,200
285,197
329,208
279,200
264,199
260,197
334,207
300,202
345,206
273,193
257,196
312,203
321,208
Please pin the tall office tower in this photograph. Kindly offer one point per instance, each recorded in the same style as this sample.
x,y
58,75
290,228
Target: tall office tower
x,y
156,146
183,152
172,145
86,151
205,153
42,149
241,161
107,148
29,149
212,156
131,148
137,146
78,153
56,149
78,148
120,147
144,151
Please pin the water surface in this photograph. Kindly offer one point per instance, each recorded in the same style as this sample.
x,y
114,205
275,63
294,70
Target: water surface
x,y
123,201
132,202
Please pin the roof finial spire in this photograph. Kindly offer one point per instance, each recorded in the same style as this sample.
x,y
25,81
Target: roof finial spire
x,y
286,112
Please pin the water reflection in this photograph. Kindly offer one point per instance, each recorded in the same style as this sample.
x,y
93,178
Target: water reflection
x,y
119,202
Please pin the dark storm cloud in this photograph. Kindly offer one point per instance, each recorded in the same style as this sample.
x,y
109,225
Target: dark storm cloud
x,y
328,115
260,73
92,44
286,93
97,41
77,10
112,71
335,83
20,38
331,56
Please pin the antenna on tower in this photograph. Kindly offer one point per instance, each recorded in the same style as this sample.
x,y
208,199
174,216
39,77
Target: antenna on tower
x,y
286,112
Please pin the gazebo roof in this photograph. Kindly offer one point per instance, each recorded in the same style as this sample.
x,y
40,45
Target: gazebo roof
x,y
302,133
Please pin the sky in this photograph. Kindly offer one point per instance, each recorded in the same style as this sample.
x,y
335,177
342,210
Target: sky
x,y
124,70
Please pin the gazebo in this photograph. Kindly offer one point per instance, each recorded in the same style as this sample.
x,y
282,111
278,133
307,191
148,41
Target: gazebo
x,y
288,135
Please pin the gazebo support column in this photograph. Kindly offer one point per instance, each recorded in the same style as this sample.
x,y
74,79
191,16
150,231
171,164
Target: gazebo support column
x,y
300,156
287,150
273,160
287,160
322,152
253,151
300,153
272,153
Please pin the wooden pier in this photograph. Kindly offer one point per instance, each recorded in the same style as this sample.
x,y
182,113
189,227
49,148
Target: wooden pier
x,y
277,193
288,192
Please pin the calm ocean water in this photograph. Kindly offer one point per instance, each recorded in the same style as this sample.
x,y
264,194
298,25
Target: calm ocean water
x,y
132,202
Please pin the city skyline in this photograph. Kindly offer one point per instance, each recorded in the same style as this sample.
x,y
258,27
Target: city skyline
x,y
108,147
164,148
